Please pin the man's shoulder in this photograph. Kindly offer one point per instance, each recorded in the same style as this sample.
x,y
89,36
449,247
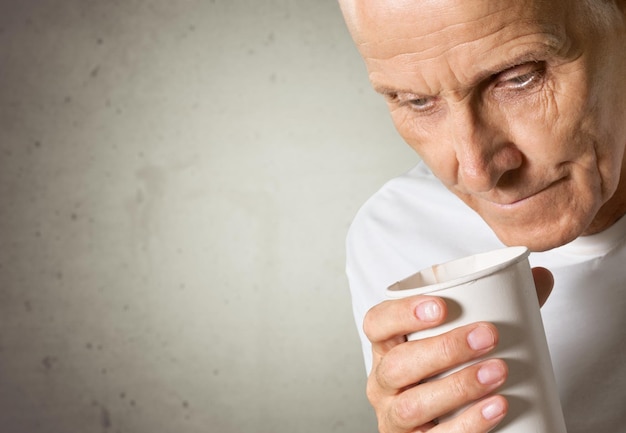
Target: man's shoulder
x,y
417,190
414,220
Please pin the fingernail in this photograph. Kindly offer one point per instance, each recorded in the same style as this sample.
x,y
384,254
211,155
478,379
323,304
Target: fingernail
x,y
481,338
491,373
494,409
428,311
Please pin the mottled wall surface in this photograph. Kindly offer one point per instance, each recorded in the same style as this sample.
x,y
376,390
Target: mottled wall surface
x,y
176,182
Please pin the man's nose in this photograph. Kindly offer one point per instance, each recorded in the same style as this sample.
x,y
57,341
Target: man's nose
x,y
483,149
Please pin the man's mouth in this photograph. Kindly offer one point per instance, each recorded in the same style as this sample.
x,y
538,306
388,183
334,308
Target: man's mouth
x,y
505,200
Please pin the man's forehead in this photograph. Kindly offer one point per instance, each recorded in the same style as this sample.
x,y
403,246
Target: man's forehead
x,y
383,28
455,41
374,18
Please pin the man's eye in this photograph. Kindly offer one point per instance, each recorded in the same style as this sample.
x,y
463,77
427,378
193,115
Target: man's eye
x,y
523,81
420,103
521,77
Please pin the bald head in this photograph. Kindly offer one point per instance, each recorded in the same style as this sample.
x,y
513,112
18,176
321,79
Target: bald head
x,y
363,14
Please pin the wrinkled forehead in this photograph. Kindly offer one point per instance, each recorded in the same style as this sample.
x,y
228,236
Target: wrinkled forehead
x,y
395,34
375,20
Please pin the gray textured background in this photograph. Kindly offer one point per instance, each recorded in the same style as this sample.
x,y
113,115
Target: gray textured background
x,y
176,181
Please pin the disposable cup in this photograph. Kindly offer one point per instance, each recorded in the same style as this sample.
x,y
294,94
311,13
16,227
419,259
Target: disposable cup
x,y
498,287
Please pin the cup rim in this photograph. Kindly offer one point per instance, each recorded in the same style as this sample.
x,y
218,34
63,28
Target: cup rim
x,y
512,255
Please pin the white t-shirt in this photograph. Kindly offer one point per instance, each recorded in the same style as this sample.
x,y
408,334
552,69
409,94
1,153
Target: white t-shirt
x,y
414,222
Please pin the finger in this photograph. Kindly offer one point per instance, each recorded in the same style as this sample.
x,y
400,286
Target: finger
x,y
544,281
391,319
425,402
414,361
482,417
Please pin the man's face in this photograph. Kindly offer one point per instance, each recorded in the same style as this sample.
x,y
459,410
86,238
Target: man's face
x,y
518,107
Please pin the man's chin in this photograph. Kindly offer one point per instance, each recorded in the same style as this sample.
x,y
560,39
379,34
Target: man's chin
x,y
537,239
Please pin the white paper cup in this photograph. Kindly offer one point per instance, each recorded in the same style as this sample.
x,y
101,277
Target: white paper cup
x,y
498,287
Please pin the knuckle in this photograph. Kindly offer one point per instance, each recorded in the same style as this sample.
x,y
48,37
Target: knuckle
x,y
382,405
459,389
390,363
449,348
387,370
384,423
372,390
406,410
465,425
368,326
371,322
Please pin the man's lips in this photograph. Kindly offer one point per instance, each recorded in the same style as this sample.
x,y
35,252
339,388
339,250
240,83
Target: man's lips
x,y
513,199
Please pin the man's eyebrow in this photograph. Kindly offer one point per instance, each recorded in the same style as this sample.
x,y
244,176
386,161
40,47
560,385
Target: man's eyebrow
x,y
386,90
531,56
528,57
536,53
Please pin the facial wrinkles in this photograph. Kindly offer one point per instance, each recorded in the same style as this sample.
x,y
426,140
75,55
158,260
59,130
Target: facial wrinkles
x,y
523,166
566,134
457,66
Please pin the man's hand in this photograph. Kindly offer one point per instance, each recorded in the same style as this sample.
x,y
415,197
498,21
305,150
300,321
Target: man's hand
x,y
396,387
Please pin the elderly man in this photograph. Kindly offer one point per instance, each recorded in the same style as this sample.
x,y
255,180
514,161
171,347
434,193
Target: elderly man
x,y
517,110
